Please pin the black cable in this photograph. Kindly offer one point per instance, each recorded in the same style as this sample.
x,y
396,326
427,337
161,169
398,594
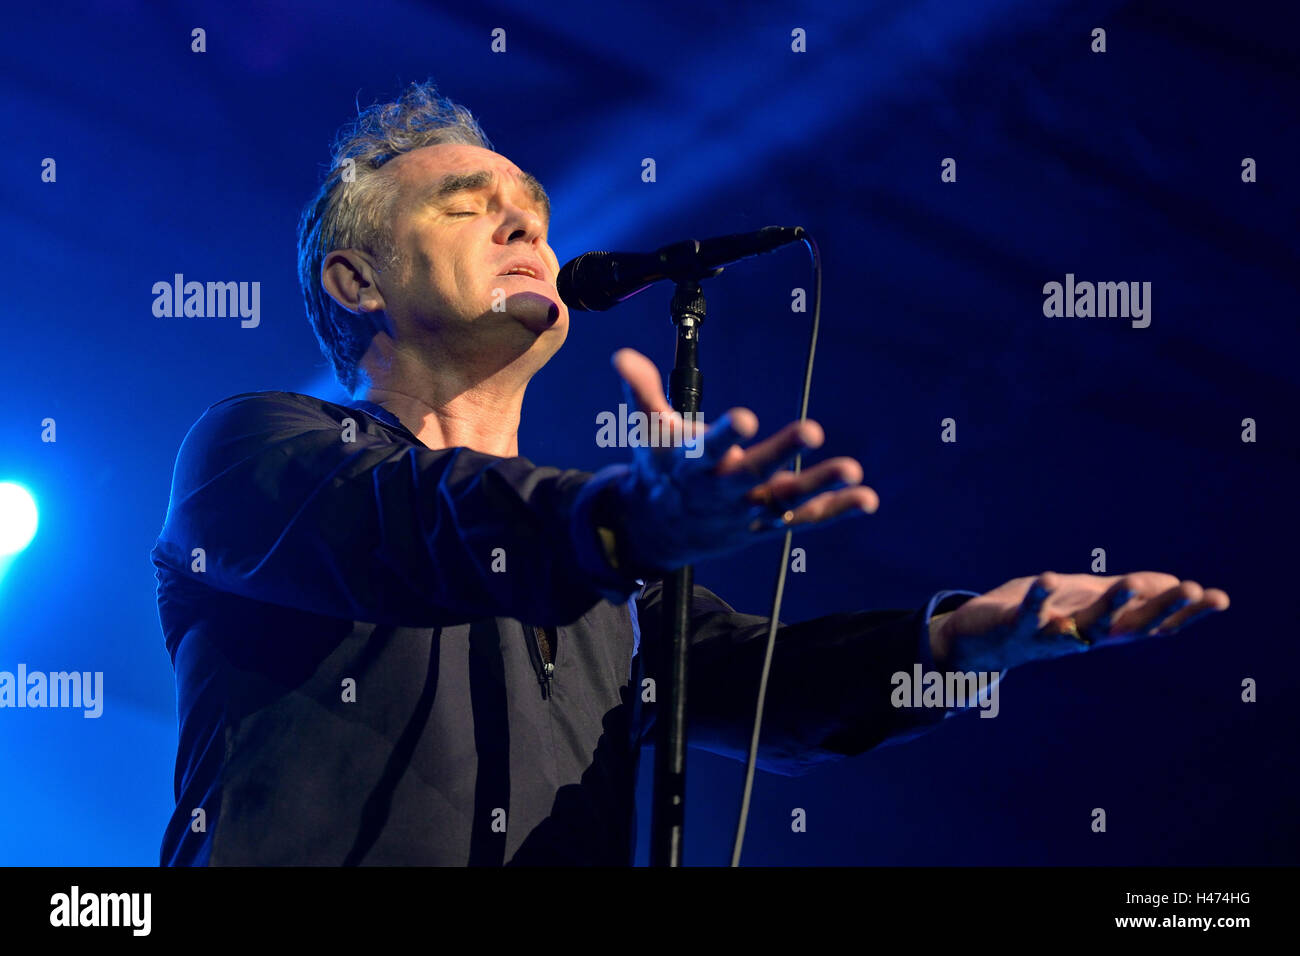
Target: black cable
x,y
780,577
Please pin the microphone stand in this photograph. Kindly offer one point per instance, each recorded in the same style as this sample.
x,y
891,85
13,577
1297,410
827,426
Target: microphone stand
x,y
668,815
615,277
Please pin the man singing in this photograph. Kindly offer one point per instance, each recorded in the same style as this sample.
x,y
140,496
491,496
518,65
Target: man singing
x,y
397,641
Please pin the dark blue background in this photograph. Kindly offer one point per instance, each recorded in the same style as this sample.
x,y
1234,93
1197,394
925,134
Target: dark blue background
x,y
1073,433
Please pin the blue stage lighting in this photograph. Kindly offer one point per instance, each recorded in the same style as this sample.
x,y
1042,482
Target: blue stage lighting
x,y
17,518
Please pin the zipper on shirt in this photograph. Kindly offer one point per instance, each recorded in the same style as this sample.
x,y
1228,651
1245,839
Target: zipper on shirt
x,y
543,660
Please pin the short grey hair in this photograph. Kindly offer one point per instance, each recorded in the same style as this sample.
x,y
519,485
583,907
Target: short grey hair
x,y
353,207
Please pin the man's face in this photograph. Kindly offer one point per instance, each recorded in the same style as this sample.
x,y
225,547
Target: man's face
x,y
464,217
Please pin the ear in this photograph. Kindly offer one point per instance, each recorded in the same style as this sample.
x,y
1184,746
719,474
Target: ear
x,y
348,275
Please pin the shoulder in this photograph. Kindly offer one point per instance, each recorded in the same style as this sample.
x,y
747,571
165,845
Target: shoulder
x,y
275,403
271,412
251,422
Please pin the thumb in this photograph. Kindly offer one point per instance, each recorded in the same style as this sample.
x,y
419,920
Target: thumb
x,y
644,383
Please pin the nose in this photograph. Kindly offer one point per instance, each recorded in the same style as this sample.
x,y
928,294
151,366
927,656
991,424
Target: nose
x,y
520,223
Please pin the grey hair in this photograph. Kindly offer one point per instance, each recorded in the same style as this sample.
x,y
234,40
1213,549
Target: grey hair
x,y
353,207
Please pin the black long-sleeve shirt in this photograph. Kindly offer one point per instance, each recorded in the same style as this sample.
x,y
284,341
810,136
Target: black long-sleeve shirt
x,y
389,654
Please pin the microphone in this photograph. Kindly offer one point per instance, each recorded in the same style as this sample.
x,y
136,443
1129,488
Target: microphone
x,y
596,281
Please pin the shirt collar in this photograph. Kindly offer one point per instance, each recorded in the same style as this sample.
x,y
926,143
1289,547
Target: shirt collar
x,y
381,413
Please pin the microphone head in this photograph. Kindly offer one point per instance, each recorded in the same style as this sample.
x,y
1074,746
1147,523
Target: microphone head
x,y
596,281
577,293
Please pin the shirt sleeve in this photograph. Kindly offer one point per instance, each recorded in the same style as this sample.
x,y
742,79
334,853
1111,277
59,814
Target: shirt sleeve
x,y
941,603
829,690
280,499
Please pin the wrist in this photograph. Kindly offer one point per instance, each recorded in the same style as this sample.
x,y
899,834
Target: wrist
x,y
595,537
608,518
940,646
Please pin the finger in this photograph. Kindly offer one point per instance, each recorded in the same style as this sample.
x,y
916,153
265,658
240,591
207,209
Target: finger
x,y
1095,622
730,461
736,426
1145,584
1143,617
1213,601
763,458
822,509
791,488
1187,593
660,430
832,504
643,380
1029,615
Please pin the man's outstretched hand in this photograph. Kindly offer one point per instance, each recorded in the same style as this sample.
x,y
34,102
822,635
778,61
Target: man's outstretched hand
x,y
1020,621
680,504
